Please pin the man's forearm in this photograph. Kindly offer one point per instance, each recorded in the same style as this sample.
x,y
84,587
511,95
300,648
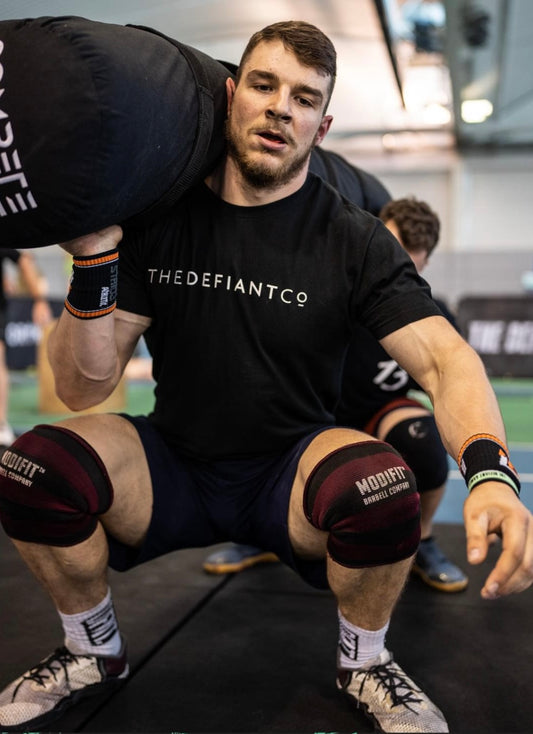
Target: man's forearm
x,y
82,349
465,403
84,360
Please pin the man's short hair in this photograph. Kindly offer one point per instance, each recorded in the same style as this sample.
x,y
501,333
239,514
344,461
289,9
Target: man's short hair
x,y
307,42
418,225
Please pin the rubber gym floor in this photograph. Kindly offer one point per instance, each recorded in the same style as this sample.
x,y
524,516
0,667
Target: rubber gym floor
x,y
255,652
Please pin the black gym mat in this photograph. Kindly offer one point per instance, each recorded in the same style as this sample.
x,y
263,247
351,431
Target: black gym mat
x,y
256,652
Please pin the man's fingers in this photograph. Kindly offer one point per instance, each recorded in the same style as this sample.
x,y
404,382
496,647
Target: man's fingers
x,y
492,510
476,537
513,571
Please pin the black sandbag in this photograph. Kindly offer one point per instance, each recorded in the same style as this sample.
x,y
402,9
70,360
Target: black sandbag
x,y
103,124
99,124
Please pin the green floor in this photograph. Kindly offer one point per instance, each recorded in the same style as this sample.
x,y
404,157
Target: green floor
x,y
516,403
514,396
24,399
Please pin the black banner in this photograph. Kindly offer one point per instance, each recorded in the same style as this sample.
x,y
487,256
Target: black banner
x,y
22,336
500,329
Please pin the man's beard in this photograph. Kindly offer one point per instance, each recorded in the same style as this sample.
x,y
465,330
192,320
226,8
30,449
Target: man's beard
x,y
258,174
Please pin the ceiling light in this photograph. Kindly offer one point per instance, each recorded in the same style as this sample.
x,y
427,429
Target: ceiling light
x,y
436,114
476,110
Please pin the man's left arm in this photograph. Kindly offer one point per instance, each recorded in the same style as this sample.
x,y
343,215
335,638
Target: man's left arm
x,y
468,415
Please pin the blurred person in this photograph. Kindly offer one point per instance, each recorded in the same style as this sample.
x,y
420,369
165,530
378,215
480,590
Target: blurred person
x,y
41,315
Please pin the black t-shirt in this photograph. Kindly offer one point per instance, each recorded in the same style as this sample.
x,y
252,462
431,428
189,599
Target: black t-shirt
x,y
253,309
371,378
14,256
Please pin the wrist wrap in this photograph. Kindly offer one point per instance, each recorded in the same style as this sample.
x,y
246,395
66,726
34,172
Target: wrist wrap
x,y
93,285
483,458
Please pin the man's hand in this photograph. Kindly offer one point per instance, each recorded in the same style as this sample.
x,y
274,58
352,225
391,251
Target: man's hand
x,y
490,508
94,243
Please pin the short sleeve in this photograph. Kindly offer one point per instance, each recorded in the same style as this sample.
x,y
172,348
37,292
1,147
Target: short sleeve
x,y
390,293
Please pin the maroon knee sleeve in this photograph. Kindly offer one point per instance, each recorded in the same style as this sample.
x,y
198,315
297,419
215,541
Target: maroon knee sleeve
x,y
365,496
53,485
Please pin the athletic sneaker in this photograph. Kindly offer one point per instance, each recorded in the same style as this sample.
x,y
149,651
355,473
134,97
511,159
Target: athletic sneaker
x,y
390,697
235,558
6,434
436,570
55,684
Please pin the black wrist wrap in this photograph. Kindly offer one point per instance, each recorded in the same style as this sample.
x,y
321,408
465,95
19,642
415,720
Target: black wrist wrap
x,y
483,458
93,285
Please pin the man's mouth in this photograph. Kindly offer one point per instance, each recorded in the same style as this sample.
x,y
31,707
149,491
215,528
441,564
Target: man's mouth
x,y
272,138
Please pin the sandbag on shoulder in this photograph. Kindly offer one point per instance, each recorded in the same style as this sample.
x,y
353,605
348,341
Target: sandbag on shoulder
x,y
99,124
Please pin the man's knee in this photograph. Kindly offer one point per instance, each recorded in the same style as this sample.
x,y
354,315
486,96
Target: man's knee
x,y
53,486
418,441
365,496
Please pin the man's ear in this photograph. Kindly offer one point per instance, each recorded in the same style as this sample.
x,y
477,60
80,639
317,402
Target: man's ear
x,y
323,129
230,91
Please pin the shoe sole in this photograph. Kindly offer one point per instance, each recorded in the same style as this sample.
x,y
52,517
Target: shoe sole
x,y
222,568
450,587
67,703
363,707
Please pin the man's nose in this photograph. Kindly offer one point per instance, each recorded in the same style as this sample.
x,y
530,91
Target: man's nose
x,y
279,108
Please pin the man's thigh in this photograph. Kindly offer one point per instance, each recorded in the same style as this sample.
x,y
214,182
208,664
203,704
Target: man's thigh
x,y
119,447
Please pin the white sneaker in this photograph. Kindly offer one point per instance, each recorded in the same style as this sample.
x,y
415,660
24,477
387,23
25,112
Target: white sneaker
x,y
56,683
6,434
390,697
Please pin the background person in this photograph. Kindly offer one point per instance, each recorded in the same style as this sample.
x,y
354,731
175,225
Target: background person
x,y
41,316
374,398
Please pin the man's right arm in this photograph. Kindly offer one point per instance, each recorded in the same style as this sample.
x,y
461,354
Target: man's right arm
x,y
89,355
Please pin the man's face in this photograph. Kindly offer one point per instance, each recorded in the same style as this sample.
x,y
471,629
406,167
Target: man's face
x,y
275,115
419,258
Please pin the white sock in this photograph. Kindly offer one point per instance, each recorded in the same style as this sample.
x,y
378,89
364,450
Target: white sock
x,y
94,631
357,646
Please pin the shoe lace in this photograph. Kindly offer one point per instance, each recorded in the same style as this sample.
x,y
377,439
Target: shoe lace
x,y
394,682
48,668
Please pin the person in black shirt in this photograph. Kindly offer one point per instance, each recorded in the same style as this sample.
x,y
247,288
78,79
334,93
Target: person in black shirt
x,y
248,293
374,398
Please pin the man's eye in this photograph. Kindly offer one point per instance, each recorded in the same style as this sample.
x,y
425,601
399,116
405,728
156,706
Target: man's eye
x,y
305,102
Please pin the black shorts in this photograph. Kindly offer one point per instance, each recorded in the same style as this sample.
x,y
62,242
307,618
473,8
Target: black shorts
x,y
197,504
